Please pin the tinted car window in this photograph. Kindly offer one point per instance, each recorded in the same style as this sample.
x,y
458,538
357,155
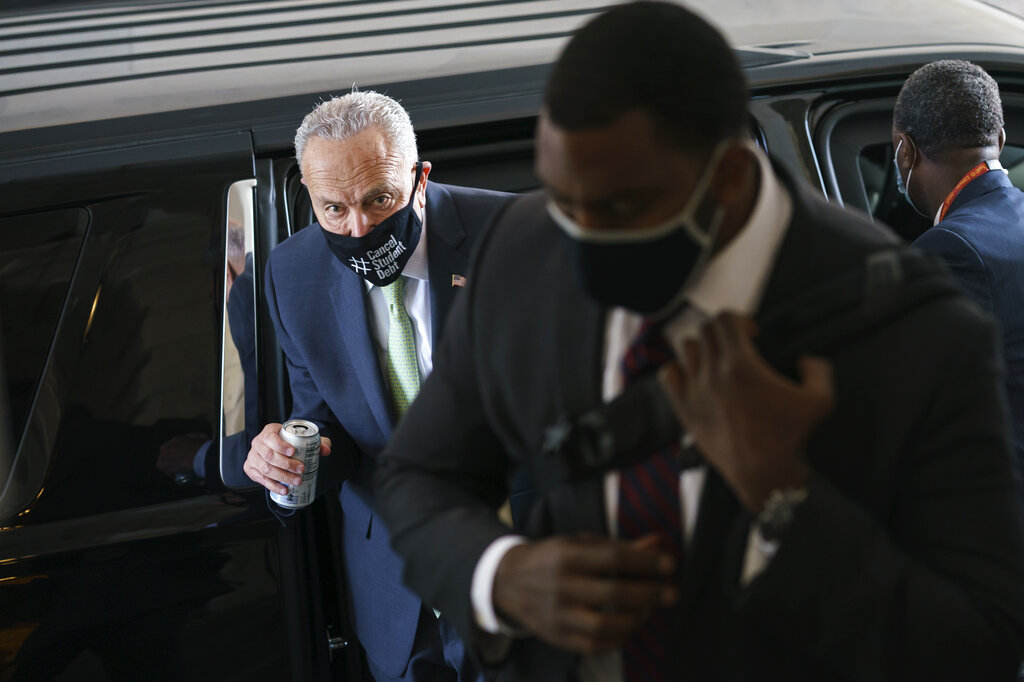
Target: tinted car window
x,y
38,253
148,368
131,389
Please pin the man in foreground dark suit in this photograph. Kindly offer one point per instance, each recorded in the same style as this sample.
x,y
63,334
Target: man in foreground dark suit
x,y
854,520
358,301
948,133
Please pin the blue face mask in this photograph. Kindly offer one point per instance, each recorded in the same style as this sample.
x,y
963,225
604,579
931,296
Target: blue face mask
x,y
901,187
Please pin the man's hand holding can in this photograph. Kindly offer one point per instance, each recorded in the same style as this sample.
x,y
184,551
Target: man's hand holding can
x,y
278,465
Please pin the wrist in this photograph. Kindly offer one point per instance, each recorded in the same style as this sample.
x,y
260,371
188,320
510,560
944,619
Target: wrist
x,y
482,587
503,595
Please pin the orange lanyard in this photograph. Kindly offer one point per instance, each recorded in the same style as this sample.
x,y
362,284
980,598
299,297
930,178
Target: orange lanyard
x,y
972,174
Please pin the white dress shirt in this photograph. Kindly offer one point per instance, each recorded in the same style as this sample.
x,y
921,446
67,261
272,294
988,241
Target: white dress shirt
x,y
417,305
733,280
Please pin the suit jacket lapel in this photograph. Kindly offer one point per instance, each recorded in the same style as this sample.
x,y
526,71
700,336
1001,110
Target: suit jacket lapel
x,y
796,255
715,515
349,306
809,255
445,234
576,339
574,342
577,342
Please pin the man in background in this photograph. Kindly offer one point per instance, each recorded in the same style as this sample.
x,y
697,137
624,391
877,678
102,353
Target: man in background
x,y
358,301
948,133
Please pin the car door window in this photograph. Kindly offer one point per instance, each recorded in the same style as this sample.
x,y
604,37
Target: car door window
x,y
853,141
130,330
239,418
38,253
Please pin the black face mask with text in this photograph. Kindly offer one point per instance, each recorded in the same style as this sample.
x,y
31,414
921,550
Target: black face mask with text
x,y
380,255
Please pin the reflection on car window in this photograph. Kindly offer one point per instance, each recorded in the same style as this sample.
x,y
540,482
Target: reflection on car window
x,y
144,390
886,203
117,307
38,253
239,419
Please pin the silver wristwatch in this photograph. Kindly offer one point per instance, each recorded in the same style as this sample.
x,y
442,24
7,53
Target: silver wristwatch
x,y
778,512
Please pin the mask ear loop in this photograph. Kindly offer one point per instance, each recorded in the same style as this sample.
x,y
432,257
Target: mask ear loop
x,y
910,174
670,308
706,240
708,237
714,225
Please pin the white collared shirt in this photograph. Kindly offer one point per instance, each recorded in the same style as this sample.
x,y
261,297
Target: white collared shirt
x,y
733,280
417,305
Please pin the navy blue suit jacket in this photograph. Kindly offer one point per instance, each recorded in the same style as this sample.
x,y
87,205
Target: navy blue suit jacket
x,y
981,239
319,310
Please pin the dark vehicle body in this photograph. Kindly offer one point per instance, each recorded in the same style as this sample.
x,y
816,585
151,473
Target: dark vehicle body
x,y
141,146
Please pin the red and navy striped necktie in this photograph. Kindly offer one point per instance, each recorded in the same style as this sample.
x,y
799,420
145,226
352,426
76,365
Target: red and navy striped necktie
x,y
649,503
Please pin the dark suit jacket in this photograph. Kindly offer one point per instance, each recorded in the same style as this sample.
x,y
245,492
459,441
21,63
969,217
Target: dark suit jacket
x,y
905,561
982,242
319,310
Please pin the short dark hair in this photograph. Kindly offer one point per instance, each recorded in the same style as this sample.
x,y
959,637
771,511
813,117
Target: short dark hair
x,y
655,57
949,105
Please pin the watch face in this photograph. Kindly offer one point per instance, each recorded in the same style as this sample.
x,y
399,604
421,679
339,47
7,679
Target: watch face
x,y
779,511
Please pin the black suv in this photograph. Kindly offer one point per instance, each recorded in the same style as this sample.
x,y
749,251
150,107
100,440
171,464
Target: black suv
x,y
146,171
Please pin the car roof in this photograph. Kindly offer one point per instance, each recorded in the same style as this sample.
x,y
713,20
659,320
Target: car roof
x,y
104,63
94,63
831,26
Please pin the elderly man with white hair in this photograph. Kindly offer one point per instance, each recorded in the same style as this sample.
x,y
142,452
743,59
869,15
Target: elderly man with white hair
x,y
358,301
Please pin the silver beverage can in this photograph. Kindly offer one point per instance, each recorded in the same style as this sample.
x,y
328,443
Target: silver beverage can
x,y
304,436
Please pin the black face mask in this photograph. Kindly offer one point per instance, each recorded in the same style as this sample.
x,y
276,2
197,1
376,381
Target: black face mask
x,y
380,255
643,270
644,277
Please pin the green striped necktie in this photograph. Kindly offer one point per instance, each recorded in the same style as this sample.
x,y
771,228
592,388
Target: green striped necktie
x,y
403,368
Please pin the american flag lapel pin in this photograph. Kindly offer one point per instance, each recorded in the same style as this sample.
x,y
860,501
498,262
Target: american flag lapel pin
x,y
458,281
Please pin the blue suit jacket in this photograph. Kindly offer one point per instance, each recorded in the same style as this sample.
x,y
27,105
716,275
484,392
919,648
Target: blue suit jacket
x,y
319,310
982,242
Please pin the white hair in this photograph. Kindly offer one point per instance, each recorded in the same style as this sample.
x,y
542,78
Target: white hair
x,y
343,117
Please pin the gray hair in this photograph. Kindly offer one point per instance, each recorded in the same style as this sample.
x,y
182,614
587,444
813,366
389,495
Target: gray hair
x,y
343,117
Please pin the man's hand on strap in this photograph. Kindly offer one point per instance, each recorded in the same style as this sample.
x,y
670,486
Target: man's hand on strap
x,y
749,421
